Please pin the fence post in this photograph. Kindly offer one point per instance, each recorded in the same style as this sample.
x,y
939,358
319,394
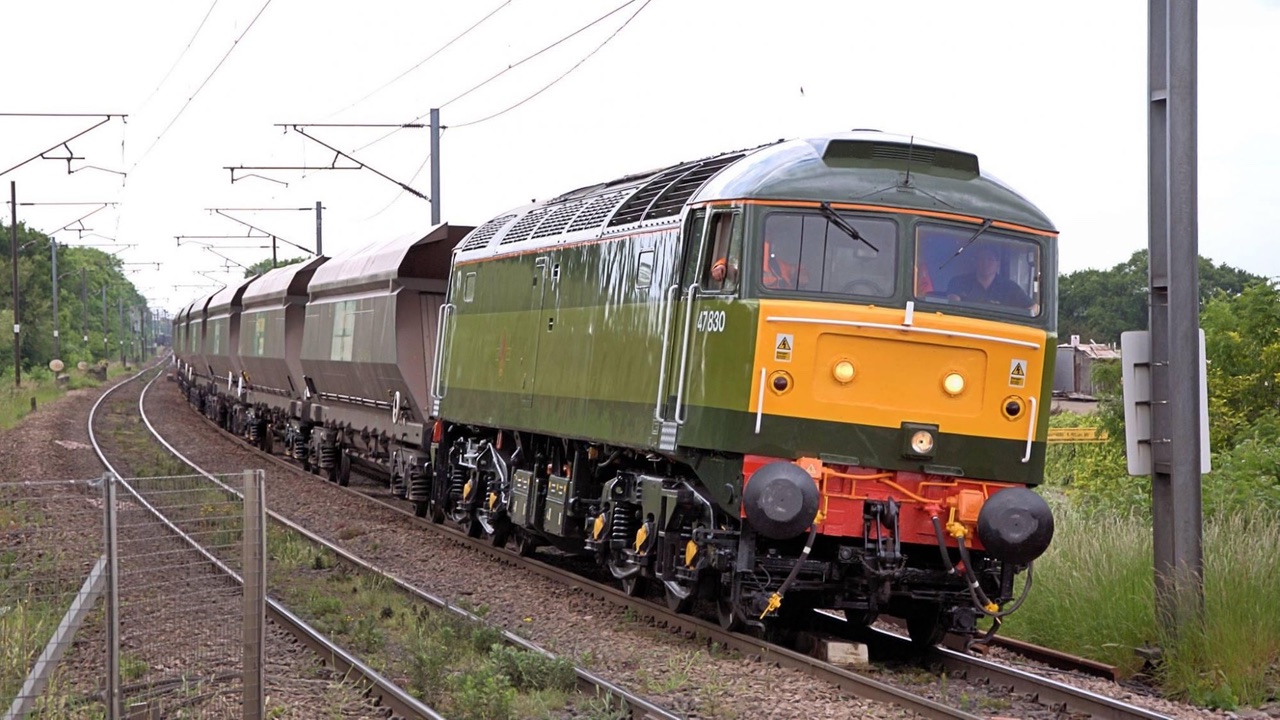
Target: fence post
x,y
255,604
112,699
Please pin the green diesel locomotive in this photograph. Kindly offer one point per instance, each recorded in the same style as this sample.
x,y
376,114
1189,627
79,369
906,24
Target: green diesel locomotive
x,y
813,374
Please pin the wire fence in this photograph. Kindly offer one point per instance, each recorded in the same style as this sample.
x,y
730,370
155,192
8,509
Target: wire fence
x,y
106,610
51,560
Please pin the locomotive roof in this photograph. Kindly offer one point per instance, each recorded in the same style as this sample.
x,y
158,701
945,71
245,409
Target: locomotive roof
x,y
866,167
942,179
279,283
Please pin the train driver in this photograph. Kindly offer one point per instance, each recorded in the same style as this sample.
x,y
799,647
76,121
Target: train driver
x,y
722,276
985,284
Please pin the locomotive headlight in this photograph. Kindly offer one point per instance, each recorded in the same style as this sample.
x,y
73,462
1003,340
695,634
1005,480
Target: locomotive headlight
x,y
922,442
953,384
842,371
919,440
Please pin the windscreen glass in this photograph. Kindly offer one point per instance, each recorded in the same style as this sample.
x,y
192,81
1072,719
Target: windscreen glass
x,y
978,267
811,253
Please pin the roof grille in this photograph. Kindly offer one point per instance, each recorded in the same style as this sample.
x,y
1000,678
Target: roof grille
x,y
524,227
914,155
667,192
596,210
559,217
678,193
485,232
922,155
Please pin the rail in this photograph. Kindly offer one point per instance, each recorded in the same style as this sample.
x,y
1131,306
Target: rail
x,y
638,706
389,693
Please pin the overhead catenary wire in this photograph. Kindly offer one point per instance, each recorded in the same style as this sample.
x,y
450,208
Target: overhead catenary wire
x,y
563,75
541,90
425,60
517,64
508,69
181,55
202,85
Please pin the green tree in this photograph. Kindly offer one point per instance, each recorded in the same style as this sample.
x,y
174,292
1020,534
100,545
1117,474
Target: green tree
x,y
1098,305
35,292
263,266
1242,346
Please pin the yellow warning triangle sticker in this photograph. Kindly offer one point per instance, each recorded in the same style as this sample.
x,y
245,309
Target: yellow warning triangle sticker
x,y
1017,370
783,344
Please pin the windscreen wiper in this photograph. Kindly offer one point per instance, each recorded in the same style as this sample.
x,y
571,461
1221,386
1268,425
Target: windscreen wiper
x,y
981,229
851,231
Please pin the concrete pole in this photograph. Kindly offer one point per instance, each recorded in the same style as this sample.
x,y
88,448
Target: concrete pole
x,y
254,566
53,255
1175,315
319,244
13,252
435,166
84,301
110,539
120,327
106,345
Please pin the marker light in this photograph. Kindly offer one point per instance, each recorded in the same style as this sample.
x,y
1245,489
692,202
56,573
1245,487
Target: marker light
x,y
922,442
843,371
953,384
1012,407
780,381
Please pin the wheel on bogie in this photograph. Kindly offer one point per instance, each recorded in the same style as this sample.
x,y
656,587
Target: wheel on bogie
x,y
680,596
501,533
728,615
925,625
526,543
633,585
344,470
858,619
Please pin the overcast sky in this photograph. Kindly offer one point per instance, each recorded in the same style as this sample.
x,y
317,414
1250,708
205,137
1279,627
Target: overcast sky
x,y
1050,96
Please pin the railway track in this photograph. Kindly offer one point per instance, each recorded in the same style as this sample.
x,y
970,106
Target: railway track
x,y
387,693
1050,695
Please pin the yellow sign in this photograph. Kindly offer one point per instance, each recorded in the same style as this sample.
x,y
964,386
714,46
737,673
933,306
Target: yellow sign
x,y
1077,435
1017,373
782,347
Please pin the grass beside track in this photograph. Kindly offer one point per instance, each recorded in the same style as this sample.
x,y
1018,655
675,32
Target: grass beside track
x,y
461,668
15,402
1094,596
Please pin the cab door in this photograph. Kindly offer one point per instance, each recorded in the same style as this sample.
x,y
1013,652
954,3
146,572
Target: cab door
x,y
709,282
538,318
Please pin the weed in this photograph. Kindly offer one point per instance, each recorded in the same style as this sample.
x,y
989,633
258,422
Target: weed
x,y
604,707
480,696
533,671
132,667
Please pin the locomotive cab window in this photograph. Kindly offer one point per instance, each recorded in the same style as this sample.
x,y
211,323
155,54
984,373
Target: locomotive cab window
x,y
975,267
830,253
722,264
